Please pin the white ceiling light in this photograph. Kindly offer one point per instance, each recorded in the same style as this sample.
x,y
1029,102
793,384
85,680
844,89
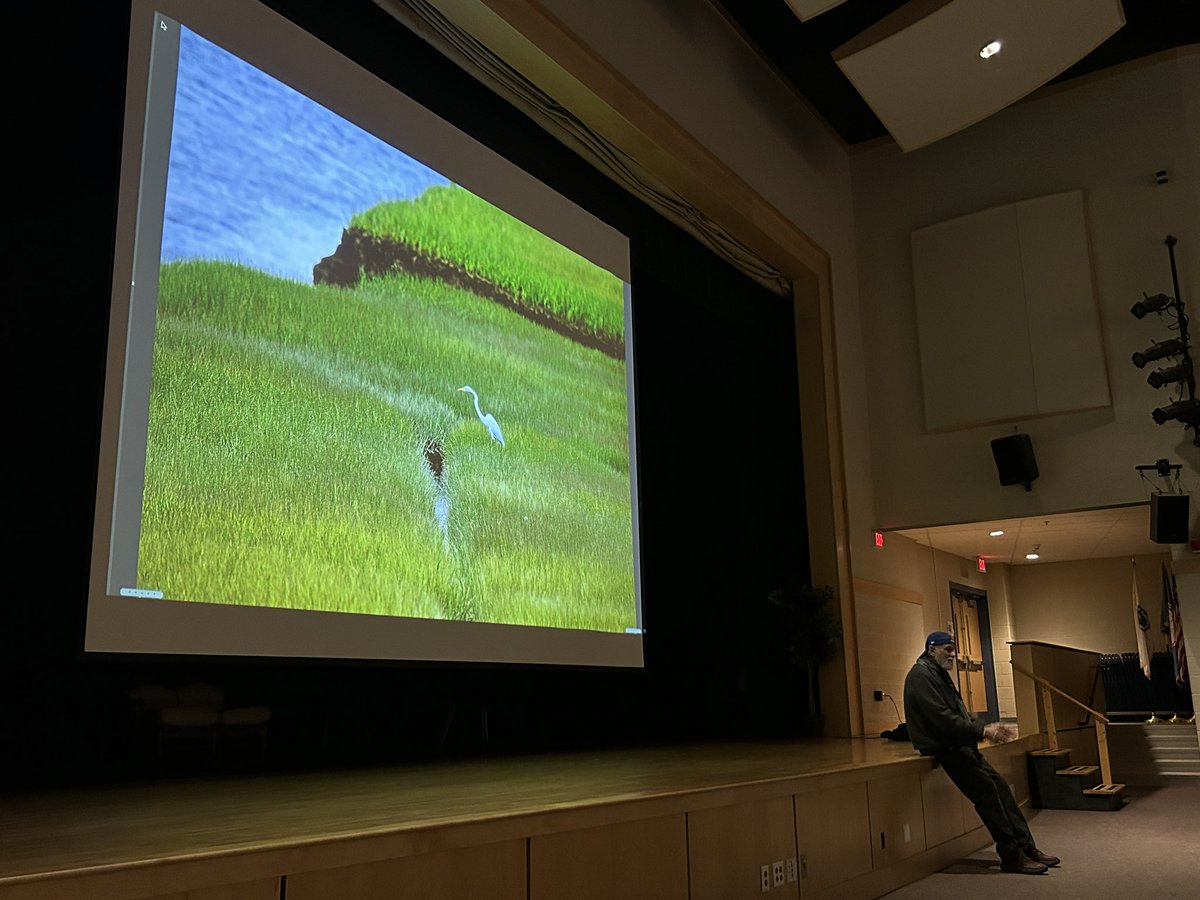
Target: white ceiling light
x,y
987,51
1031,556
997,533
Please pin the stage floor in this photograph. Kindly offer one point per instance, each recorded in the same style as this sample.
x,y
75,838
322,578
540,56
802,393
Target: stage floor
x,y
76,832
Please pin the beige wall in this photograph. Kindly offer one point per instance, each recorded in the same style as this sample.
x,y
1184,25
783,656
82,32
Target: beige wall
x,y
860,207
1060,141
908,598
1086,604
1106,137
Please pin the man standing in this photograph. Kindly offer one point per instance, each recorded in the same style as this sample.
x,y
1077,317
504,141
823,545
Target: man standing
x,y
940,726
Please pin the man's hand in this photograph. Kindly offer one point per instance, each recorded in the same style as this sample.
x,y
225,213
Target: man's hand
x,y
999,732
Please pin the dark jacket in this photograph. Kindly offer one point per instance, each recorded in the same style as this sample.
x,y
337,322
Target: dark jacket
x,y
937,717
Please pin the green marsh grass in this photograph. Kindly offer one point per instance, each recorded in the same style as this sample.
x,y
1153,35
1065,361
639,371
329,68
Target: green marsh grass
x,y
286,460
451,223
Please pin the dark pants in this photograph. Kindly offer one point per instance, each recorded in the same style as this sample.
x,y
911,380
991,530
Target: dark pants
x,y
993,798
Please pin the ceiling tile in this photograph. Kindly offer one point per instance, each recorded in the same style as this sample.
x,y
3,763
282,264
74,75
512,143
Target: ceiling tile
x,y
1093,534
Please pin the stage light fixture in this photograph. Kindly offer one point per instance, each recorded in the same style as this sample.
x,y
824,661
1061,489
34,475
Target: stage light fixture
x,y
1181,372
1185,411
1172,347
1150,304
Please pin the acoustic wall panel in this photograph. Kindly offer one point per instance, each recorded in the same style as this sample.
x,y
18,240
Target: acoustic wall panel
x,y
974,335
1069,370
1007,321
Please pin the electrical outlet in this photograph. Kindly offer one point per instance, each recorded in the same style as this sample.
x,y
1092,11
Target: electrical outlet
x,y
765,875
777,872
907,833
790,867
878,696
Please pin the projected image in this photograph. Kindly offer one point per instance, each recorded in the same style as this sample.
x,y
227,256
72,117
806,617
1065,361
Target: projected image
x,y
371,390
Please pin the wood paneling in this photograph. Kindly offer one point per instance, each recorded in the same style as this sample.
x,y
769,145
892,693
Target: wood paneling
x,y
495,871
729,845
833,835
943,808
1070,670
639,860
897,820
746,805
266,889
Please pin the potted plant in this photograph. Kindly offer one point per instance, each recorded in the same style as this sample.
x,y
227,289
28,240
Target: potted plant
x,y
811,633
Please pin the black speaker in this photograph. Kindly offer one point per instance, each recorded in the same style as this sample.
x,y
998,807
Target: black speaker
x,y
1014,459
1169,518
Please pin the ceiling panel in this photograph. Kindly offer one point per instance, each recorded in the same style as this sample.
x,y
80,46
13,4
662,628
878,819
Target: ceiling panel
x,y
807,9
800,44
921,72
1093,534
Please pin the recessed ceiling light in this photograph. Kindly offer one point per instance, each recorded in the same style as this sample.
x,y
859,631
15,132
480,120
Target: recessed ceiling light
x,y
1031,556
987,51
996,533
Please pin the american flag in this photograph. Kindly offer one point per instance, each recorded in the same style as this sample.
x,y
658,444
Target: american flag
x,y
1173,627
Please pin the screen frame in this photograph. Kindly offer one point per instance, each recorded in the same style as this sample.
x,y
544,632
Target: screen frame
x,y
146,625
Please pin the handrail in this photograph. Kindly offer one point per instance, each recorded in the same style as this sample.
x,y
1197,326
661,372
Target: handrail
x,y
1101,725
1042,681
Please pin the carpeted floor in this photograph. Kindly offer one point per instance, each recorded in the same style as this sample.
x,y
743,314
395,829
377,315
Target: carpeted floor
x,y
1148,849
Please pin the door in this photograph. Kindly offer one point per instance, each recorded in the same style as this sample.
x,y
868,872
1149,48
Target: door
x,y
976,673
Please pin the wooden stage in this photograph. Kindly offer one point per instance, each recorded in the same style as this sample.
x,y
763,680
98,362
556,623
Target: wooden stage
x,y
706,819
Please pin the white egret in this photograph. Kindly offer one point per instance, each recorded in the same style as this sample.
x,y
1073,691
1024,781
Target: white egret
x,y
488,420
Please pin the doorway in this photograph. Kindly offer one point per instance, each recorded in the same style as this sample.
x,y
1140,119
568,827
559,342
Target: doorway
x,y
976,671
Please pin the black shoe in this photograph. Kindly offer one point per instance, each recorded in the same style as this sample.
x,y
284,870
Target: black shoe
x,y
1038,856
1022,865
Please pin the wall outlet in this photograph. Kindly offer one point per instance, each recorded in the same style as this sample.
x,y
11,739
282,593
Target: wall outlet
x,y
765,876
907,833
789,866
878,695
777,872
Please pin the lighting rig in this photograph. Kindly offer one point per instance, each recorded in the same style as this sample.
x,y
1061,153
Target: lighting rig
x,y
1185,408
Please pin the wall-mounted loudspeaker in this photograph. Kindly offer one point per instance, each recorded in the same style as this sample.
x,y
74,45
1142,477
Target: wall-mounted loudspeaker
x,y
1015,462
1169,518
